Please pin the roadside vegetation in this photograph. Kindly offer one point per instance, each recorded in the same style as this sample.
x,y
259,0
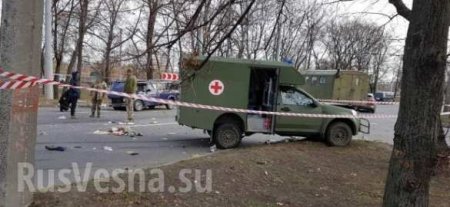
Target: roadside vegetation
x,y
289,174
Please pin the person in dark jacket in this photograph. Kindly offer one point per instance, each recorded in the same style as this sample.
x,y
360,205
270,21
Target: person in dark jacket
x,y
73,94
64,101
64,104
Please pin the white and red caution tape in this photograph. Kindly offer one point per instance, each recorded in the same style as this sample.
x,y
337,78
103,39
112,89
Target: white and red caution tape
x,y
24,80
358,102
16,84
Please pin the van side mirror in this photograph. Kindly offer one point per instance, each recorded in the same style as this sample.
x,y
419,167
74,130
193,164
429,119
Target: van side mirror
x,y
313,104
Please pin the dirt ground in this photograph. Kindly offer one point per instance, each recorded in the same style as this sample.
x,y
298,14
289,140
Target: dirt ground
x,y
289,174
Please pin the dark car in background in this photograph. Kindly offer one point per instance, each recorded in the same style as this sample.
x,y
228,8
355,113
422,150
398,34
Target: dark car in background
x,y
384,96
153,88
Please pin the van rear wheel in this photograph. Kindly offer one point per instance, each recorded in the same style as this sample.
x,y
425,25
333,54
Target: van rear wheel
x,y
339,134
227,135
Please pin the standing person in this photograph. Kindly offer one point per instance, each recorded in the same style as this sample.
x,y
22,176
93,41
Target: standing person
x,y
131,89
73,94
97,97
64,104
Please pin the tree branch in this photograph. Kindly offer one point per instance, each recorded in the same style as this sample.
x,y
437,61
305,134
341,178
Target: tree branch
x,y
219,44
276,24
402,9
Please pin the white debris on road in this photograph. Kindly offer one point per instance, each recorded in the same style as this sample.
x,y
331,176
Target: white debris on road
x,y
119,131
213,148
108,148
132,153
101,132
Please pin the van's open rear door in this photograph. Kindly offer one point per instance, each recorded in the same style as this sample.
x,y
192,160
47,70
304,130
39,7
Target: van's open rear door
x,y
262,97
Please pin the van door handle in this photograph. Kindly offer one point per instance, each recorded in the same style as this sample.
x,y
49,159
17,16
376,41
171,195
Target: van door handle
x,y
285,109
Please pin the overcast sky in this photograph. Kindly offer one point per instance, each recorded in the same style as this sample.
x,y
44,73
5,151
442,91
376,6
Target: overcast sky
x,y
376,10
367,9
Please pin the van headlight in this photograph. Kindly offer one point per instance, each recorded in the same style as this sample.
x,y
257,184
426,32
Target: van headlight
x,y
354,113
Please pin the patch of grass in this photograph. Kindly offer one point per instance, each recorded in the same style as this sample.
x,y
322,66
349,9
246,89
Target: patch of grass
x,y
289,174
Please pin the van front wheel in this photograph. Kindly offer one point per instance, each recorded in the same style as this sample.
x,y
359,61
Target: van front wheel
x,y
339,134
227,135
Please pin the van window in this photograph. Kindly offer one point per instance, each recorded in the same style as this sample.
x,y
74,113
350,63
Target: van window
x,y
291,96
314,80
322,80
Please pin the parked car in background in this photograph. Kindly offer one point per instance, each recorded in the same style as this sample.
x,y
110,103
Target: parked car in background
x,y
369,106
152,88
384,96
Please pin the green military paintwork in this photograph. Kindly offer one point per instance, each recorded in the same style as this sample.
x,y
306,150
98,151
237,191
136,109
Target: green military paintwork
x,y
445,119
235,75
326,84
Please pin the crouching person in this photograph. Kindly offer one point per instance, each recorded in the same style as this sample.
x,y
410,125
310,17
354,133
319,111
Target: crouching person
x,y
97,97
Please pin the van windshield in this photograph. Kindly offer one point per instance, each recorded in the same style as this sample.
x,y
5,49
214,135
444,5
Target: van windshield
x,y
293,96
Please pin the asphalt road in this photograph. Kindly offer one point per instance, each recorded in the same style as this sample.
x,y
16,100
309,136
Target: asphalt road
x,y
163,140
382,130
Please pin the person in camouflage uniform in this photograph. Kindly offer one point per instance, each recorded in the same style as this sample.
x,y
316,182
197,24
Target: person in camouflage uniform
x,y
130,88
97,97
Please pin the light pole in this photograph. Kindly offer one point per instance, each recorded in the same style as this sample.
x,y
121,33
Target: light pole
x,y
48,52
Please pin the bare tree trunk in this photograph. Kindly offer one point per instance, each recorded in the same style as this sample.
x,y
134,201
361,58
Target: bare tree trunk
x,y
108,50
418,129
158,64
178,29
205,32
243,39
60,41
58,59
73,60
447,92
376,75
82,28
107,71
167,66
153,8
397,81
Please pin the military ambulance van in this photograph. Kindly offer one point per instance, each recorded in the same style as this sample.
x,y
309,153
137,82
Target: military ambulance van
x,y
262,86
